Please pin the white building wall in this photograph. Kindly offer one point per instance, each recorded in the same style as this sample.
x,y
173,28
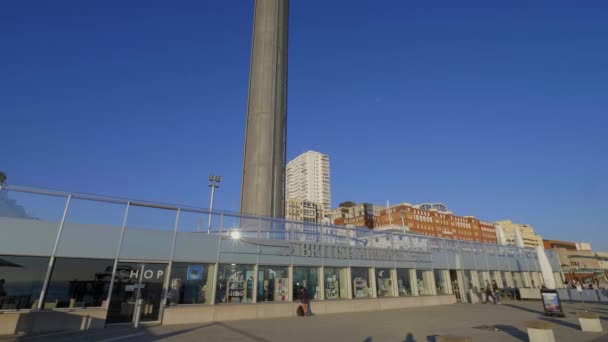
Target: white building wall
x,y
308,178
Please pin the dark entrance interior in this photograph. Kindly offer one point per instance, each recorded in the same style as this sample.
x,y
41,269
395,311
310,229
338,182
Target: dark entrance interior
x,y
455,287
132,281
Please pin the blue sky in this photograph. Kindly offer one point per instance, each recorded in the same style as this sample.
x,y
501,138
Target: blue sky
x,y
497,110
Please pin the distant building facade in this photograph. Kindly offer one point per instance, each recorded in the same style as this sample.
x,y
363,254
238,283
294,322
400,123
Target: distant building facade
x,y
580,262
308,179
351,214
306,211
432,222
530,238
569,246
413,218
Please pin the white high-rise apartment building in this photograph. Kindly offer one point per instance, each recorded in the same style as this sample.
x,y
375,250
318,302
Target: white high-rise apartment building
x,y
307,178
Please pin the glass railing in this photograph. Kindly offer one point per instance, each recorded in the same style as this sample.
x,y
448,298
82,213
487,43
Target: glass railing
x,y
39,205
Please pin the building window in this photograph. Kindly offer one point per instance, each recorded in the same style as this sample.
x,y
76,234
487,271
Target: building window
x,y
190,283
21,281
234,284
79,283
336,282
404,284
424,283
384,282
273,285
306,278
361,283
442,282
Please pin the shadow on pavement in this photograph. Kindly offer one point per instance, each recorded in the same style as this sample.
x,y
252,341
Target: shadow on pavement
x,y
243,333
602,314
524,309
560,322
513,331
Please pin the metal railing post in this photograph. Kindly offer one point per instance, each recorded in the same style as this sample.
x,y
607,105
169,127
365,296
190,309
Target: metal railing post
x,y
169,266
122,235
47,277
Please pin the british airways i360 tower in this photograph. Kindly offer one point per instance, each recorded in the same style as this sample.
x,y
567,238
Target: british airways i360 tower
x,y
263,187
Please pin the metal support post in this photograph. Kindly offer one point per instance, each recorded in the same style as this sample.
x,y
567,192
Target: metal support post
x,y
49,269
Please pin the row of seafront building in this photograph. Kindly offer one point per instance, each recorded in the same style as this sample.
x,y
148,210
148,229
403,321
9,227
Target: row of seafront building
x,y
308,199
73,261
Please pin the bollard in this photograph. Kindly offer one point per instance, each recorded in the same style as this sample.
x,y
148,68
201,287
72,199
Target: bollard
x,y
540,331
590,321
452,338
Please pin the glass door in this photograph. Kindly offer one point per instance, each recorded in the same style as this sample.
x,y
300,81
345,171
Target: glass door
x,y
133,281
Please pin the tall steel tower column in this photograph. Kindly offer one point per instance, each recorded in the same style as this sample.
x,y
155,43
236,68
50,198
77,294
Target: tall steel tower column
x,y
263,188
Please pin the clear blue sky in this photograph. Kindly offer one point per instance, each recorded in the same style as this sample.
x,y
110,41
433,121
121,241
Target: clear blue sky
x,y
497,110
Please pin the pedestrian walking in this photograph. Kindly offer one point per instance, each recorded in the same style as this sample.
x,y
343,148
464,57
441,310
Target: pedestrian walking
x,y
305,300
489,292
496,292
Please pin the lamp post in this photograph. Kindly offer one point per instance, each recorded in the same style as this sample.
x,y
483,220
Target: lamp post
x,y
2,179
402,214
214,182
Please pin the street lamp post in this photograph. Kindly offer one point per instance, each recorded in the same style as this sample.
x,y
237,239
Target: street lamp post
x,y
402,214
214,182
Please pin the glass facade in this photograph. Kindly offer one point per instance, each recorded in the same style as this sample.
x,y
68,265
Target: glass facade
x,y
133,281
306,278
469,281
481,280
442,282
234,284
517,279
404,284
335,282
78,283
190,283
21,279
424,283
384,282
273,284
361,284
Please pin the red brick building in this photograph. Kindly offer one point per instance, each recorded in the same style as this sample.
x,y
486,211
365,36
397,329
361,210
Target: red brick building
x,y
430,222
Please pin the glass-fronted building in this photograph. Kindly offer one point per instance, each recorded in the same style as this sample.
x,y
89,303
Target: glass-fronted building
x,y
114,259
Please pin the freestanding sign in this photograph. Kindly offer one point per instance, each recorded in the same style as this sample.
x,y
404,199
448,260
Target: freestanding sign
x,y
551,303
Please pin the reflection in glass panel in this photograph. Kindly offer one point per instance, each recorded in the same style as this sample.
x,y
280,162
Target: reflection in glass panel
x,y
423,282
404,283
336,282
22,205
482,280
190,221
306,278
505,279
234,284
141,217
384,282
469,281
361,283
21,281
273,284
517,280
190,283
95,213
442,282
78,283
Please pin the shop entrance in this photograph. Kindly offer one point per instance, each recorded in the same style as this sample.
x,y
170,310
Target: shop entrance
x,y
455,285
135,281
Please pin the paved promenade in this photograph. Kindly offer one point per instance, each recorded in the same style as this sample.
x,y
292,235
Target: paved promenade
x,y
420,325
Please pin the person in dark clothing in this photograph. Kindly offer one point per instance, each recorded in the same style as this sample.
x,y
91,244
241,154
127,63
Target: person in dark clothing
x,y
489,292
305,300
496,292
